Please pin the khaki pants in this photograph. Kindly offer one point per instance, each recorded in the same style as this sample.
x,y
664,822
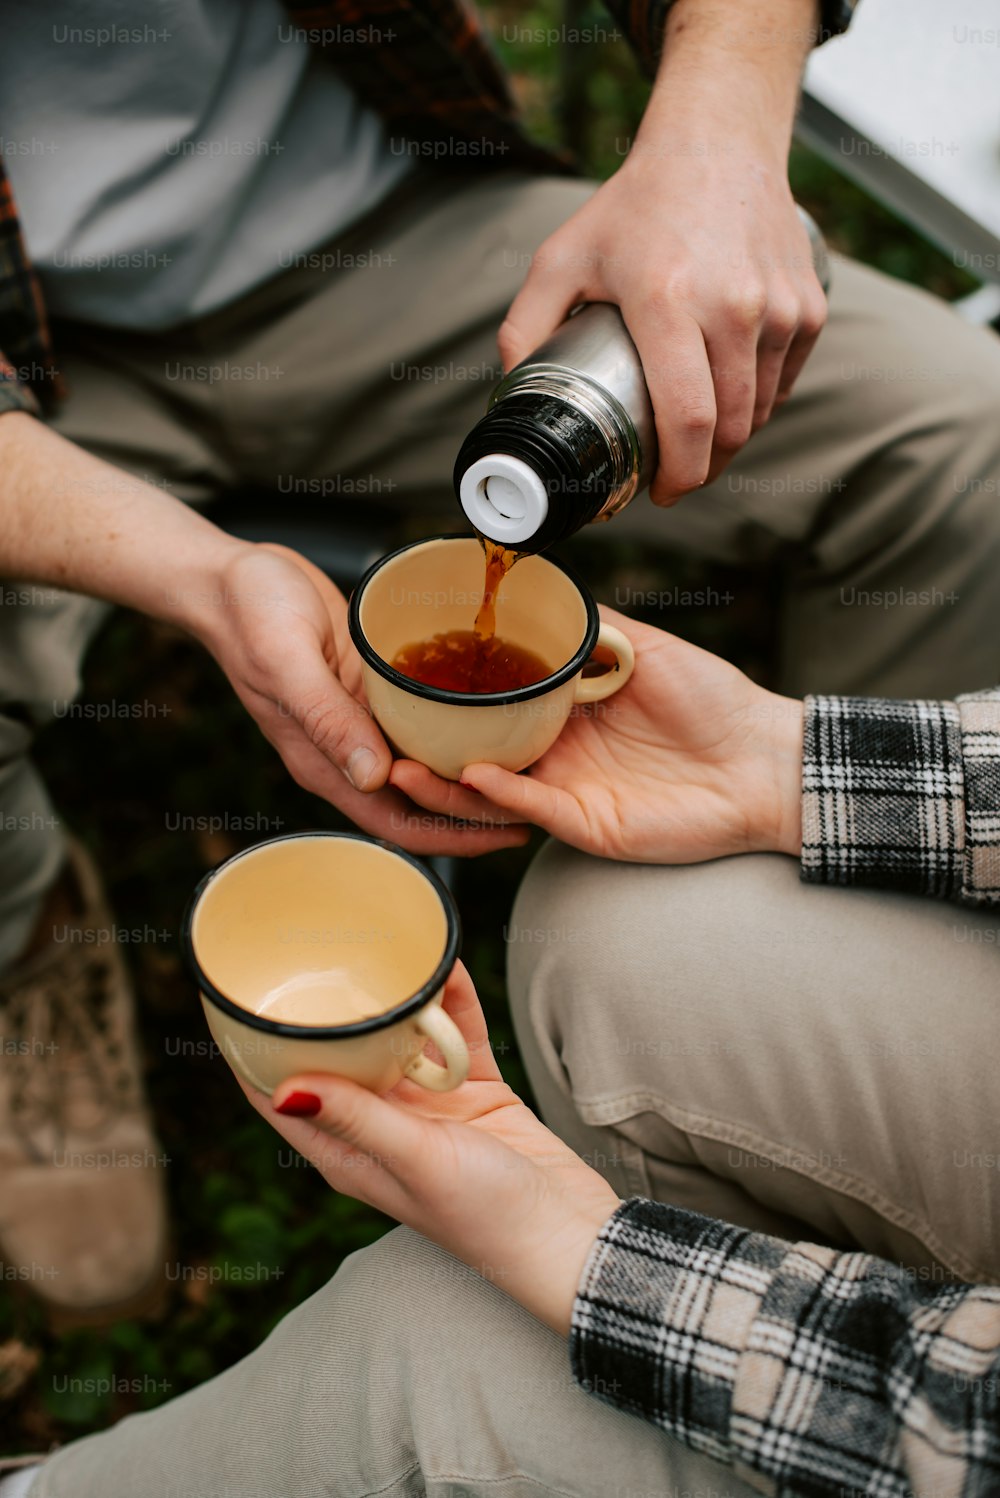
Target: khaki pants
x,y
793,1058
813,1063
876,490
406,1376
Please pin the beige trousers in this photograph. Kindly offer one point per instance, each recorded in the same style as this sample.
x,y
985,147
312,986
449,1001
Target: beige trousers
x,y
875,493
812,1062
796,1059
407,1376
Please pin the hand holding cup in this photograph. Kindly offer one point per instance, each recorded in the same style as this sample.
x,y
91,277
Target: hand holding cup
x,y
434,587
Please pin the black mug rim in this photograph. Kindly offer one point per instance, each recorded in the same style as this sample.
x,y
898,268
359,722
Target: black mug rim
x,y
541,688
415,1001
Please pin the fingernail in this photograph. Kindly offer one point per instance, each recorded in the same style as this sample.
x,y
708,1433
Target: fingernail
x,y
300,1105
360,768
467,783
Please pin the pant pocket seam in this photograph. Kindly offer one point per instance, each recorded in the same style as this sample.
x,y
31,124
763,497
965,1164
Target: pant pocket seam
x,y
379,1492
477,1483
610,1111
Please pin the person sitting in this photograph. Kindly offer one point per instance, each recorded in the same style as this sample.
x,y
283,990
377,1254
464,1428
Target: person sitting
x,y
817,1064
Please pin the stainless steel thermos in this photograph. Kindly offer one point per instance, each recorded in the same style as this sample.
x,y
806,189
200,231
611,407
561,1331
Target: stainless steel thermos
x,y
569,435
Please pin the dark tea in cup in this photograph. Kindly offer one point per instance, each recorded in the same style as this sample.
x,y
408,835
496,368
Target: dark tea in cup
x,y
460,660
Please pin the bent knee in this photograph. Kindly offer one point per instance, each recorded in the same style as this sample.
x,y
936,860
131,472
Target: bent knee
x,y
628,969
680,983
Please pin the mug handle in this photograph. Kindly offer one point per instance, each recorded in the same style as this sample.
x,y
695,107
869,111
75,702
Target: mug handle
x,y
442,1029
596,688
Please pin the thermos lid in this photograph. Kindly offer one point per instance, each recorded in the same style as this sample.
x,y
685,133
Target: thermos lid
x,y
504,498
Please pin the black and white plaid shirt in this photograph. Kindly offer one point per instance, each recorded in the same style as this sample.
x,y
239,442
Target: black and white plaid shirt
x,y
904,795
808,1370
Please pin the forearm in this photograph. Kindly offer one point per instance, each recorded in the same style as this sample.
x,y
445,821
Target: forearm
x,y
730,72
823,1371
645,23
72,521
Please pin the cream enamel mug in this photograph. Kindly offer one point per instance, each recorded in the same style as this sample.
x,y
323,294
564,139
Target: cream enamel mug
x,y
434,586
327,951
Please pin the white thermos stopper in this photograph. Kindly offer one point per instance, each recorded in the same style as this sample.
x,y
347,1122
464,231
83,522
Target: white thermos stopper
x,y
504,498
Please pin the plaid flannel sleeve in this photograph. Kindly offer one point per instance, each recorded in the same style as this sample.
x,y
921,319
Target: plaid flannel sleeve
x,y
644,22
904,795
18,301
826,1373
14,396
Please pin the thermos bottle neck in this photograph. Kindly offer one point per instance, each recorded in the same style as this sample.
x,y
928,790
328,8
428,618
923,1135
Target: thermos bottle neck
x,y
570,434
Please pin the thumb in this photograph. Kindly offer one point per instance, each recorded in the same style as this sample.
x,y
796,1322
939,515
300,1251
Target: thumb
x,y
334,721
351,1113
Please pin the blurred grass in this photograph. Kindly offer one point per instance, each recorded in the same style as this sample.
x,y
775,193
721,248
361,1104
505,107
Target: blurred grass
x,y
240,1200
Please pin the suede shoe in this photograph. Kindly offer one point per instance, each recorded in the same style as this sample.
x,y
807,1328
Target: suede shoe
x,y
83,1221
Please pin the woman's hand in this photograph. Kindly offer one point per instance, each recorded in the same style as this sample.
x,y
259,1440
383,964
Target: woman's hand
x,y
689,761
473,1170
277,626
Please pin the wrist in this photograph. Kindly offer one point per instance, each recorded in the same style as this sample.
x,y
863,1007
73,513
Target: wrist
x,y
722,111
197,588
714,125
784,830
546,1278
77,522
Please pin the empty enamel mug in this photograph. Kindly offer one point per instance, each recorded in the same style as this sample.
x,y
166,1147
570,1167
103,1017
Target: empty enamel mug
x,y
432,587
329,952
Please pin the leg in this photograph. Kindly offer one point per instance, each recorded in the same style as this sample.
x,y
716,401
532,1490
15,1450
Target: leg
x,y
43,635
874,491
407,1375
811,1063
378,355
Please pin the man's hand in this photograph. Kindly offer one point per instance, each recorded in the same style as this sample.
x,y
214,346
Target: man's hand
x,y
689,761
277,626
697,240
473,1170
274,622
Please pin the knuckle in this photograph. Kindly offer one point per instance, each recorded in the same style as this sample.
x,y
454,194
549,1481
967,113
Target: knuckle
x,y
508,337
733,432
663,298
784,317
696,418
814,315
690,474
349,1125
746,304
551,255
258,656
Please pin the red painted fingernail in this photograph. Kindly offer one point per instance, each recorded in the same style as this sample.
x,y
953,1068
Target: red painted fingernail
x,y
300,1105
467,783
